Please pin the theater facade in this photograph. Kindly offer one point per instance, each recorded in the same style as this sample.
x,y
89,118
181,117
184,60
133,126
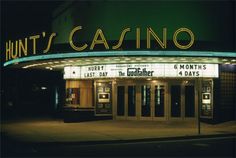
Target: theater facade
x,y
138,60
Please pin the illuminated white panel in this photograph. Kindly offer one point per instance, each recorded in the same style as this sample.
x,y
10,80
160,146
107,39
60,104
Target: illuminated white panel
x,y
142,70
159,70
170,71
66,73
211,71
72,72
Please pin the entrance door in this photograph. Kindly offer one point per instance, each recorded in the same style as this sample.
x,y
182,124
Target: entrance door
x,y
126,101
159,100
141,101
189,101
182,99
153,101
146,100
131,100
175,101
120,100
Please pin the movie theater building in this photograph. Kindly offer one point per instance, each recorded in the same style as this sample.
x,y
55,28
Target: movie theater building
x,y
138,60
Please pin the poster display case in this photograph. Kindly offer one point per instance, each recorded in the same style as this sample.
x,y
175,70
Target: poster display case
x,y
206,110
103,99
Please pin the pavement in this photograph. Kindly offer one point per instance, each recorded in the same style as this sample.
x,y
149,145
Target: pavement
x,y
55,130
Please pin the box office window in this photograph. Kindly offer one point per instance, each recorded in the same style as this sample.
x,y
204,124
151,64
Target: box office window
x,y
79,93
73,96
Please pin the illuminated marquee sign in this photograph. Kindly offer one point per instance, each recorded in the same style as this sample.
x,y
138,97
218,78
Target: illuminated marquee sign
x,y
141,70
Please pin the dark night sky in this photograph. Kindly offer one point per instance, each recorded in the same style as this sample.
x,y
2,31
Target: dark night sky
x,y
20,19
23,18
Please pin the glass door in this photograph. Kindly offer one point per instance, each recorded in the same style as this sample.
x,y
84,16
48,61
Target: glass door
x,y
126,101
152,101
145,101
189,101
131,100
182,99
175,101
120,100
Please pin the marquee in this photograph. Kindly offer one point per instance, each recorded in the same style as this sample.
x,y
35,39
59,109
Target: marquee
x,y
141,70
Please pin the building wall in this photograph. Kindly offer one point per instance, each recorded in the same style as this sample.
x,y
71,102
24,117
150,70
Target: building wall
x,y
210,21
228,96
82,91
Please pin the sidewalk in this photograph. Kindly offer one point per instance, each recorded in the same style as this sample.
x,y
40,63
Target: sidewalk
x,y
48,130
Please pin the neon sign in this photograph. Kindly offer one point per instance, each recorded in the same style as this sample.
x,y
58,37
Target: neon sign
x,y
30,45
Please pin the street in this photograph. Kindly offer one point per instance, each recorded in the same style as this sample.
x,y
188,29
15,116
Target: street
x,y
223,146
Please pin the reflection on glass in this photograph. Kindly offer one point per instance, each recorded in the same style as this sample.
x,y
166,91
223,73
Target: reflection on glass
x,y
146,100
159,100
131,100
